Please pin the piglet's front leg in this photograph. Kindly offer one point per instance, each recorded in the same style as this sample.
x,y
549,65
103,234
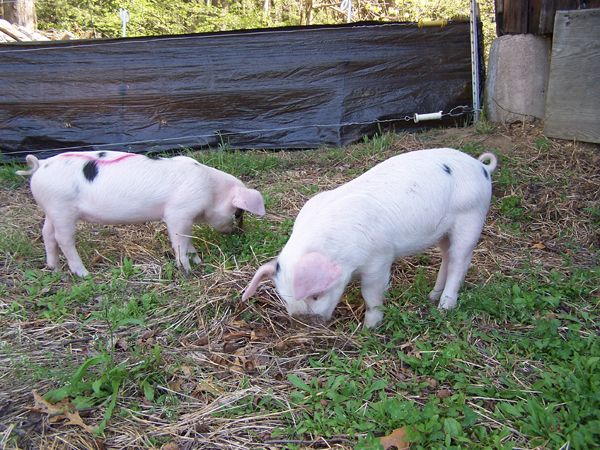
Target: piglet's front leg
x,y
180,230
374,282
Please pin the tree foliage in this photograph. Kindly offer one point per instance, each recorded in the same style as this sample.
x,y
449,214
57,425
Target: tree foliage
x,y
100,18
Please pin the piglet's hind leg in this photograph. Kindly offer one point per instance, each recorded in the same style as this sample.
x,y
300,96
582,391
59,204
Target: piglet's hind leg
x,y
64,232
463,240
51,244
440,282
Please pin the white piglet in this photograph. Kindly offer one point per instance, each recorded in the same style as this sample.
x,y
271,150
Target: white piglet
x,y
110,187
400,207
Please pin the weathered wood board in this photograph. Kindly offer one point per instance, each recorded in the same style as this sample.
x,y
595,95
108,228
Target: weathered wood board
x,y
533,16
573,98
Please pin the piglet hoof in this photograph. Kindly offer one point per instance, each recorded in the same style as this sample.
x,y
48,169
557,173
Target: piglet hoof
x,y
434,295
81,273
186,273
186,264
190,271
373,317
447,302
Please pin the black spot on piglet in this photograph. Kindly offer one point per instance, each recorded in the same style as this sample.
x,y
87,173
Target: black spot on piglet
x,y
447,169
90,170
485,173
101,154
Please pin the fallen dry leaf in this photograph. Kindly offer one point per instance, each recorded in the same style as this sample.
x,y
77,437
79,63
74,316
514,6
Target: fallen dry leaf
x,y
170,446
239,363
292,343
232,346
235,335
539,246
219,360
432,382
396,439
249,366
238,324
411,349
259,333
175,384
206,386
122,344
443,393
57,412
186,371
147,335
199,340
75,419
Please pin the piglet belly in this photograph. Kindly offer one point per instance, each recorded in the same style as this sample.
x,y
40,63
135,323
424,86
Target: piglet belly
x,y
417,231
120,211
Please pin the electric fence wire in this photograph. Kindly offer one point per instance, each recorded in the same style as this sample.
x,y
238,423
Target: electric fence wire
x,y
454,112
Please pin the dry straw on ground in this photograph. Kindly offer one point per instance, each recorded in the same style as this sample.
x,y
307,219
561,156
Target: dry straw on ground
x,y
209,365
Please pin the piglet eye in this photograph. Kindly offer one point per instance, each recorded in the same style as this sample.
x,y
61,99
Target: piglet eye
x,y
315,297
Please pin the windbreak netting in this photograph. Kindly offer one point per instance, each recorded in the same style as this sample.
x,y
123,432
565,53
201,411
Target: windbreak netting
x,y
299,87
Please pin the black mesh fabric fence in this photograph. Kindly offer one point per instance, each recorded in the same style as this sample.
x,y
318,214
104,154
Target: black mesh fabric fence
x,y
300,87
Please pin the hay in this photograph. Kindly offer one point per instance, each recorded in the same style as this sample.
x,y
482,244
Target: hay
x,y
209,365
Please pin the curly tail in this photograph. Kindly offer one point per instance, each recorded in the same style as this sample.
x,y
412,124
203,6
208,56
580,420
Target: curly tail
x,y
33,163
492,161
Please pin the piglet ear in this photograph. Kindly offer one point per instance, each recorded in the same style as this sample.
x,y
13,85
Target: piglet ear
x,y
265,271
314,273
249,200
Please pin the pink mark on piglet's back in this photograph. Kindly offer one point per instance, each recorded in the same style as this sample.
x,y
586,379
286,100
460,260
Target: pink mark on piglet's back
x,y
100,161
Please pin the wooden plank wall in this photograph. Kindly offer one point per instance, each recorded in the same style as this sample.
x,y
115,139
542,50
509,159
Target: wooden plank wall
x,y
573,98
533,16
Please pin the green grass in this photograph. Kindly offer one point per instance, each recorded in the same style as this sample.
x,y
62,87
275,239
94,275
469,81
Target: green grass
x,y
378,143
543,382
594,213
542,143
242,164
511,208
473,149
99,380
262,239
15,244
516,365
484,126
8,177
88,388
